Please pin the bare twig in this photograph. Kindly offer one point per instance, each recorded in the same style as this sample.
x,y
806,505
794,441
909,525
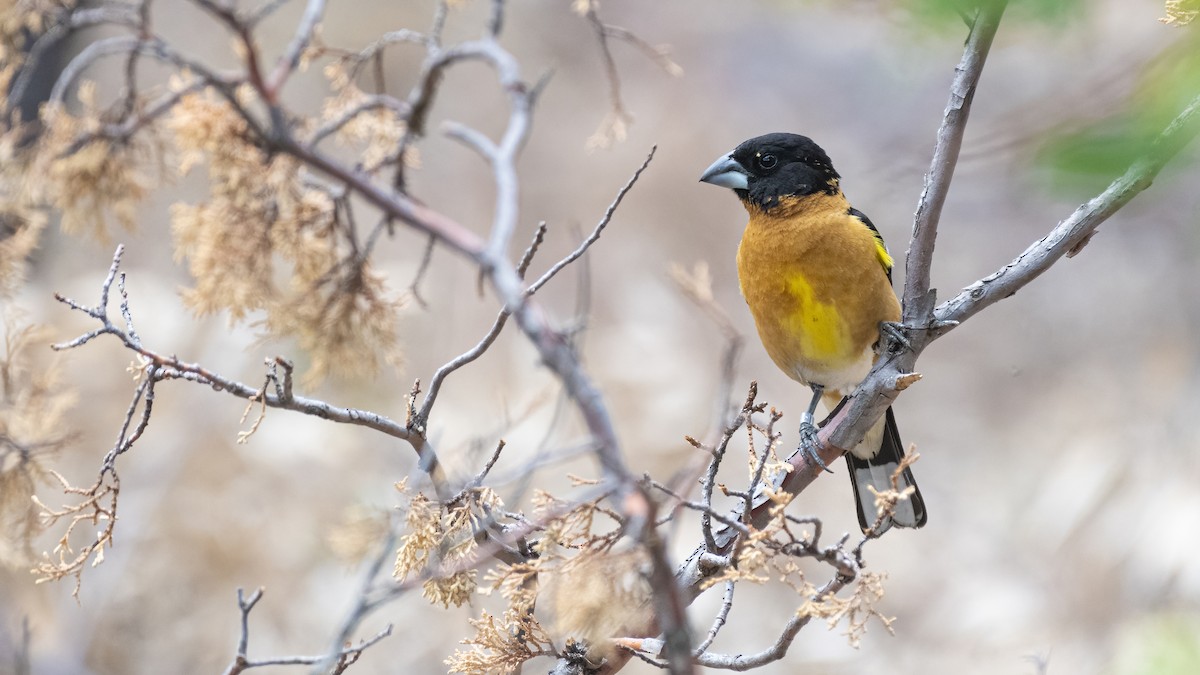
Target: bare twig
x,y
477,481
616,122
706,509
720,619
435,383
697,287
172,367
362,602
414,288
343,658
596,231
777,650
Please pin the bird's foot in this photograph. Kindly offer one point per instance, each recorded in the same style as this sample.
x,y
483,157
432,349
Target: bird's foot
x,y
809,443
898,340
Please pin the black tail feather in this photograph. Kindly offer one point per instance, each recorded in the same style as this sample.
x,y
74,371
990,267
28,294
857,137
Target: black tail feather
x,y
877,471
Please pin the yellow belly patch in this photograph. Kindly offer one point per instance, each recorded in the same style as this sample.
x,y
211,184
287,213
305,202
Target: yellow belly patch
x,y
817,325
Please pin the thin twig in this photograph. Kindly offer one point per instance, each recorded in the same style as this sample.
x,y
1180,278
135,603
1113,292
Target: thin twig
x,y
596,231
421,418
478,479
342,658
362,602
720,619
172,366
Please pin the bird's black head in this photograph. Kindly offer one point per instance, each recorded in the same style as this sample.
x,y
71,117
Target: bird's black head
x,y
766,169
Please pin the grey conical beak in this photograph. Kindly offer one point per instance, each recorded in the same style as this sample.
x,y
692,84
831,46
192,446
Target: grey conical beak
x,y
727,172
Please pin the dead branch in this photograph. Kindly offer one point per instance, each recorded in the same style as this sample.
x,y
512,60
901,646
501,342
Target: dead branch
x,y
171,367
345,657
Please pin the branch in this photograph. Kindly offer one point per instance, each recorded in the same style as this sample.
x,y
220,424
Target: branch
x,y
777,650
893,373
362,604
303,37
1069,236
488,339
616,122
119,15
343,659
421,418
596,231
173,367
945,156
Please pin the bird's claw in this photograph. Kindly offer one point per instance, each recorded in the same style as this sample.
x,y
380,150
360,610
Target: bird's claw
x,y
895,331
809,443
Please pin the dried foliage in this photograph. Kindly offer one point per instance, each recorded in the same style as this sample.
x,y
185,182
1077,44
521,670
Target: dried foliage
x,y
96,507
263,207
345,320
227,240
500,645
598,595
90,178
1181,12
21,19
856,610
33,420
21,223
444,537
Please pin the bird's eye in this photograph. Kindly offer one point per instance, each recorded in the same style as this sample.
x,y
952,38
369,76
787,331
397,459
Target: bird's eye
x,y
767,161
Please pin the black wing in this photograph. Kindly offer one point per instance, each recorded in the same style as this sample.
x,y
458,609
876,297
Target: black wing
x,y
875,231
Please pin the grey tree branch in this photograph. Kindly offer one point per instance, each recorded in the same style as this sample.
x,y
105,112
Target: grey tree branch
x,y
362,602
1071,234
342,659
945,156
78,19
313,12
172,366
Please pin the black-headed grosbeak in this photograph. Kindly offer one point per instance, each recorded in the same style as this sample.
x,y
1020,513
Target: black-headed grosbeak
x,y
817,278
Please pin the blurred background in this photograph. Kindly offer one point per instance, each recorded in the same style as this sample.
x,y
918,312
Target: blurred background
x,y
1059,452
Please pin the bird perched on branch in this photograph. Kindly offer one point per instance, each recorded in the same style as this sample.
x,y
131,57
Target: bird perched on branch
x,y
817,278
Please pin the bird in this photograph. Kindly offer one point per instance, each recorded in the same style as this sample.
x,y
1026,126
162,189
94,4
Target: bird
x,y
817,278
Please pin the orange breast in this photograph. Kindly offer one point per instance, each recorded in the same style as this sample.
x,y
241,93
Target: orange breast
x,y
812,278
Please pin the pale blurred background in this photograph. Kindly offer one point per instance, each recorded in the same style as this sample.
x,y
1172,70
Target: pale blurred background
x,y
1057,430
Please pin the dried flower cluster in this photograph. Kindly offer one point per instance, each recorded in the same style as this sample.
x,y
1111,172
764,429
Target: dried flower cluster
x,y
21,223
